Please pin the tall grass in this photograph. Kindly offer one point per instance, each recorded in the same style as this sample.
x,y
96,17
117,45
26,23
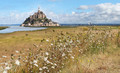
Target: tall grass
x,y
62,52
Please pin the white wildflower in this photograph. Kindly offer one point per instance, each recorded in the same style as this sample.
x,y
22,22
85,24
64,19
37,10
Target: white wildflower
x,y
17,51
40,68
51,63
72,57
45,59
36,65
4,56
45,67
7,68
55,64
71,41
77,40
64,46
53,67
48,71
47,40
48,61
31,62
6,63
17,62
51,44
60,71
35,61
63,54
47,53
5,71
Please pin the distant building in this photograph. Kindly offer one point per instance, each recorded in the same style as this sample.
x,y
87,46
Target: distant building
x,y
39,19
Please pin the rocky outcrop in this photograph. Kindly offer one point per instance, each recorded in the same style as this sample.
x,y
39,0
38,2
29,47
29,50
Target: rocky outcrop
x,y
39,19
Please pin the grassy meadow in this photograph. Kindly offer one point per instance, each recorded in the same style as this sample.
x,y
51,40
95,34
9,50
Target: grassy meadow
x,y
83,49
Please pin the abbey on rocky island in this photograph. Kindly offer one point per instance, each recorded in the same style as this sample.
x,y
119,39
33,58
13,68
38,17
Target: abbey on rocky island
x,y
38,19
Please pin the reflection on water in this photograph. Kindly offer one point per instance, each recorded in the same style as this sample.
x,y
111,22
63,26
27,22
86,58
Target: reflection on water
x,y
18,28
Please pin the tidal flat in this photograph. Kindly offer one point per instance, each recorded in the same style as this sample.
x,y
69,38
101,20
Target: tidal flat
x,y
82,49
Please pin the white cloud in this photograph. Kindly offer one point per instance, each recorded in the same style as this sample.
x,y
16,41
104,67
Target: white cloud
x,y
83,7
100,13
15,17
73,13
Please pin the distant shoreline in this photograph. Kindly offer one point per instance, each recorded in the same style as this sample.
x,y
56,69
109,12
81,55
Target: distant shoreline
x,y
90,24
3,27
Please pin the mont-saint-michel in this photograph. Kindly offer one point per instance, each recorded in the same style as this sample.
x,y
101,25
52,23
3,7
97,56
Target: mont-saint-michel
x,y
86,41
39,19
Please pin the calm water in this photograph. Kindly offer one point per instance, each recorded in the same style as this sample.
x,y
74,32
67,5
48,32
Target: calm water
x,y
18,28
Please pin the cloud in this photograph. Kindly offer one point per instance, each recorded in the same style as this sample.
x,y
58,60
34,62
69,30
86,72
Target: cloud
x,y
100,13
104,13
83,7
15,17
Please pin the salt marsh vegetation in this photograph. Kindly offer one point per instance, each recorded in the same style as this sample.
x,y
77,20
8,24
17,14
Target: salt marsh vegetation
x,y
89,49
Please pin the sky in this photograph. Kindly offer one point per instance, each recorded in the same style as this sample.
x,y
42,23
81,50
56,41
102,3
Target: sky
x,y
61,11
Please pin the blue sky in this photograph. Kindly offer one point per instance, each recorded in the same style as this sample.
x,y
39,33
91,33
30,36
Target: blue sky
x,y
15,11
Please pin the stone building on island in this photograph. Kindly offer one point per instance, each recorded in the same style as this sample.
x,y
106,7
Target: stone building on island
x,y
39,19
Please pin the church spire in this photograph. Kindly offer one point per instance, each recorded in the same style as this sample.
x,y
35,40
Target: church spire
x,y
38,8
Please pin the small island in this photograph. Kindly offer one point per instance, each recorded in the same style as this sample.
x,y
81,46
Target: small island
x,y
38,19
